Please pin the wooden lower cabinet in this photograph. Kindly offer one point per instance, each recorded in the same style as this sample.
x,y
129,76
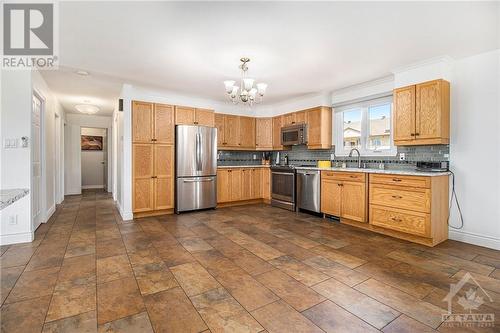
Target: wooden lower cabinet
x,y
414,208
143,181
152,184
241,184
345,199
331,197
354,201
266,183
410,207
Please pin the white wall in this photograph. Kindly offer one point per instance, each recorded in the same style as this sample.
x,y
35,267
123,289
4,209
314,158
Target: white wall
x,y
73,167
15,164
475,148
92,167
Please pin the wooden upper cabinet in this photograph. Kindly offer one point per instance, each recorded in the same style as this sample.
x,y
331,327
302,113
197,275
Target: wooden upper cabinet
x,y
422,114
193,116
288,119
142,122
404,113
184,115
204,117
264,134
163,123
301,117
247,132
219,124
432,110
277,124
319,128
231,131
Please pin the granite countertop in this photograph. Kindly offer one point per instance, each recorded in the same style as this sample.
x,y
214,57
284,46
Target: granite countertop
x,y
8,197
384,171
242,166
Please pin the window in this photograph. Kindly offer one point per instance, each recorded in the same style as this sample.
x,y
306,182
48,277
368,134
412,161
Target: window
x,y
366,126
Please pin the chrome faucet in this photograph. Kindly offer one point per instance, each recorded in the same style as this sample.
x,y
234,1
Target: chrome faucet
x,y
359,156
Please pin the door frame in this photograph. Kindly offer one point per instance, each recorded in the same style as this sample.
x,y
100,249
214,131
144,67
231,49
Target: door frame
x,y
107,173
42,216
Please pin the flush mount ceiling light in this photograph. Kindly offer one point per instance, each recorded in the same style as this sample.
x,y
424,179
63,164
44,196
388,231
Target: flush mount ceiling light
x,y
82,73
86,108
247,92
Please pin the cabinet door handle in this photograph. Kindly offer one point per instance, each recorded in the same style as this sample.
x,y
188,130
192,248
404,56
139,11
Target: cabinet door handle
x,y
417,134
397,197
352,176
412,134
395,219
396,179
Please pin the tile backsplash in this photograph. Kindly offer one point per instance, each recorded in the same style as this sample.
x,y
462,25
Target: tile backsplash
x,y
300,155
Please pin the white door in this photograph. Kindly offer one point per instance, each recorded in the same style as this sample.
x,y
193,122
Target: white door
x,y
36,176
105,161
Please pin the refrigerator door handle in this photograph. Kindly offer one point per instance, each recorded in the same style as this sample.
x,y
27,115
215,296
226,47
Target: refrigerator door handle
x,y
198,180
198,152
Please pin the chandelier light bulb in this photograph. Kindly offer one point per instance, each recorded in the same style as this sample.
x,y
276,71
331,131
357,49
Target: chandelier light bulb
x,y
229,85
234,91
261,88
248,83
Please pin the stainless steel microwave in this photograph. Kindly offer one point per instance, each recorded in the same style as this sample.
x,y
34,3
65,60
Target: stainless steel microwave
x,y
294,135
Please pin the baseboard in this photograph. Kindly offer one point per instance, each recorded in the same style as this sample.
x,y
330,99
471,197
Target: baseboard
x,y
126,216
24,237
90,187
49,213
476,239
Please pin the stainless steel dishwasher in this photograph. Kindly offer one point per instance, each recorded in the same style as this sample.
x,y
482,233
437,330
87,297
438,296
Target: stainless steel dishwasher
x,y
309,190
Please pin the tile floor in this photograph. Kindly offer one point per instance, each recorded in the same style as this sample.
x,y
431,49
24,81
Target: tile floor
x,y
242,269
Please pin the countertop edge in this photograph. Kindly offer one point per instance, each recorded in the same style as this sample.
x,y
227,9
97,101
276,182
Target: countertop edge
x,y
241,166
379,171
12,196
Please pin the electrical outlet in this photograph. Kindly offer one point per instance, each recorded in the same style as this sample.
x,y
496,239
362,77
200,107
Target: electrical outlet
x,y
13,219
402,156
332,156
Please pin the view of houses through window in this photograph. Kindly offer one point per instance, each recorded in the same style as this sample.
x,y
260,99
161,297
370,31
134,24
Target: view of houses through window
x,y
365,126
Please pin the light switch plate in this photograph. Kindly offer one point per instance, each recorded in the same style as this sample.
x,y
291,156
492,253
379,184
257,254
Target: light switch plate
x,y
402,156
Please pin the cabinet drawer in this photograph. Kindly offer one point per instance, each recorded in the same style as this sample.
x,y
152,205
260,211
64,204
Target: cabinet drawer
x,y
342,175
410,181
416,199
400,220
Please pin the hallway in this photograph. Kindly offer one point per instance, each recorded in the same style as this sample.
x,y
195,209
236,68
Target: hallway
x,y
241,269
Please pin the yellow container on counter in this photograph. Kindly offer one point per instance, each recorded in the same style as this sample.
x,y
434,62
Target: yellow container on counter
x,y
324,164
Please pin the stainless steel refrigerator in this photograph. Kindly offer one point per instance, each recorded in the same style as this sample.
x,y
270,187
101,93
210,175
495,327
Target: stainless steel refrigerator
x,y
196,167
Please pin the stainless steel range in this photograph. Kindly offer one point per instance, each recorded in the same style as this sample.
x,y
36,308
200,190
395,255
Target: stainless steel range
x,y
283,187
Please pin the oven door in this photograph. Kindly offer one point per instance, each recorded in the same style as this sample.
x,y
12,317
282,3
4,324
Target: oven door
x,y
283,189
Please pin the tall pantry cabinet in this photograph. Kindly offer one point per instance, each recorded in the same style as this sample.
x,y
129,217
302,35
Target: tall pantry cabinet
x,y
153,158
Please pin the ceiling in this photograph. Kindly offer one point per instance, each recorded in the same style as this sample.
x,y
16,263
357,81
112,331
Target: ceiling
x,y
298,48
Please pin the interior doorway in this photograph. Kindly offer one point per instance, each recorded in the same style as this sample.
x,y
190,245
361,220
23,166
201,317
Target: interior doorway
x,y
94,158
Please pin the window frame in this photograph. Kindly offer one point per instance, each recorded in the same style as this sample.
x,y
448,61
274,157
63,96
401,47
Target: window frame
x,y
364,106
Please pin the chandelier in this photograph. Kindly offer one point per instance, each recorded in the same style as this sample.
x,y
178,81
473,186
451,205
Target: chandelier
x,y
246,92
